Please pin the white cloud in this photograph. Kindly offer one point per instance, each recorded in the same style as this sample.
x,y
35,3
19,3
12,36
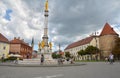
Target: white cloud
x,y
69,21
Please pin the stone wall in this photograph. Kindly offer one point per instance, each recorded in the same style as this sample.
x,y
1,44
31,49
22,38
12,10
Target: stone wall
x,y
107,42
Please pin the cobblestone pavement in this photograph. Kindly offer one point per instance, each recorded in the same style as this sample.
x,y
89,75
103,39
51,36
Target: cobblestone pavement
x,y
90,70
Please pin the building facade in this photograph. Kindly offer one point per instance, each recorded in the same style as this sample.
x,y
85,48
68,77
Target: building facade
x,y
4,46
18,46
82,44
105,42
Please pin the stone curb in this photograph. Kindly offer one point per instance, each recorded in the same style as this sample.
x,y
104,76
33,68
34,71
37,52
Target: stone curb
x,y
38,65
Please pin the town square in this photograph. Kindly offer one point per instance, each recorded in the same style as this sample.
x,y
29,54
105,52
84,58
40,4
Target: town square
x,y
90,70
56,39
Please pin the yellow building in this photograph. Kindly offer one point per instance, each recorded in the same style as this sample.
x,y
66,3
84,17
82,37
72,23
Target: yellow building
x,y
4,46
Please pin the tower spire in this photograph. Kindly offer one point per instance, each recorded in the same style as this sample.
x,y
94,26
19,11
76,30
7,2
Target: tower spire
x,y
32,43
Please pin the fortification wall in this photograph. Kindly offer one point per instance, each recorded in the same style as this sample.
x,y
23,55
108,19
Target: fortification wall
x,y
107,43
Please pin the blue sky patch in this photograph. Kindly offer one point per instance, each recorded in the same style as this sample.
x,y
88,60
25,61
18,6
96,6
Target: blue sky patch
x,y
7,14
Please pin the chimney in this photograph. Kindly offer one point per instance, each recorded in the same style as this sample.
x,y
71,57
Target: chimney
x,y
23,40
14,38
19,38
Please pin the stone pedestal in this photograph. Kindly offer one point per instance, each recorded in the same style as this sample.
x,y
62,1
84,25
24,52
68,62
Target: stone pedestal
x,y
48,59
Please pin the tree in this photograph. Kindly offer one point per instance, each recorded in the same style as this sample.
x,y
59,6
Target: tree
x,y
91,50
81,52
67,54
54,55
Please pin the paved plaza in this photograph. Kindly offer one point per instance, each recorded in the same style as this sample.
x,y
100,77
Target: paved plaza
x,y
90,70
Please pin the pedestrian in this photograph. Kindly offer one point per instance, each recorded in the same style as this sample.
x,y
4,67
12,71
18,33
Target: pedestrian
x,y
3,56
67,59
61,60
16,61
72,60
106,59
111,58
42,59
58,61
28,55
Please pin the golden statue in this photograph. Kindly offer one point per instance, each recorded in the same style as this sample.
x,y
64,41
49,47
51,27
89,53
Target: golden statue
x,y
39,45
50,44
46,5
42,44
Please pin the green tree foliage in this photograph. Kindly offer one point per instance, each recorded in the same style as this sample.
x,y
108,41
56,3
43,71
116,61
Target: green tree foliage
x,y
81,52
55,55
91,50
88,50
67,54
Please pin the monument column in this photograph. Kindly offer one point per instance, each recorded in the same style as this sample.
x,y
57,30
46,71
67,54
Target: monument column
x,y
45,36
46,47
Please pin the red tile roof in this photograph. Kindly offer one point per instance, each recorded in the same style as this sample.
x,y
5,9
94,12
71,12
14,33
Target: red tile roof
x,y
107,30
3,39
80,42
62,53
18,41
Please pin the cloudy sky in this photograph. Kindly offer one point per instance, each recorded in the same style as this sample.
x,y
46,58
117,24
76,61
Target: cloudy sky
x,y
69,20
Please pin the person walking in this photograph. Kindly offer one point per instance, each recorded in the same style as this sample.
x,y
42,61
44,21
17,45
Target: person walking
x,y
16,61
3,56
42,59
72,60
111,58
106,59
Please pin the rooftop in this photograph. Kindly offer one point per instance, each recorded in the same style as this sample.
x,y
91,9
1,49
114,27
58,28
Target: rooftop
x,y
107,30
80,42
3,39
18,41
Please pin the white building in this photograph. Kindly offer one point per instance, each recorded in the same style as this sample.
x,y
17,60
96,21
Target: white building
x,y
82,44
105,42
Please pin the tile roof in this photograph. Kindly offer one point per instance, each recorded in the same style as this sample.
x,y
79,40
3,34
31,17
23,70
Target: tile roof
x,y
80,42
62,53
107,30
3,39
18,41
